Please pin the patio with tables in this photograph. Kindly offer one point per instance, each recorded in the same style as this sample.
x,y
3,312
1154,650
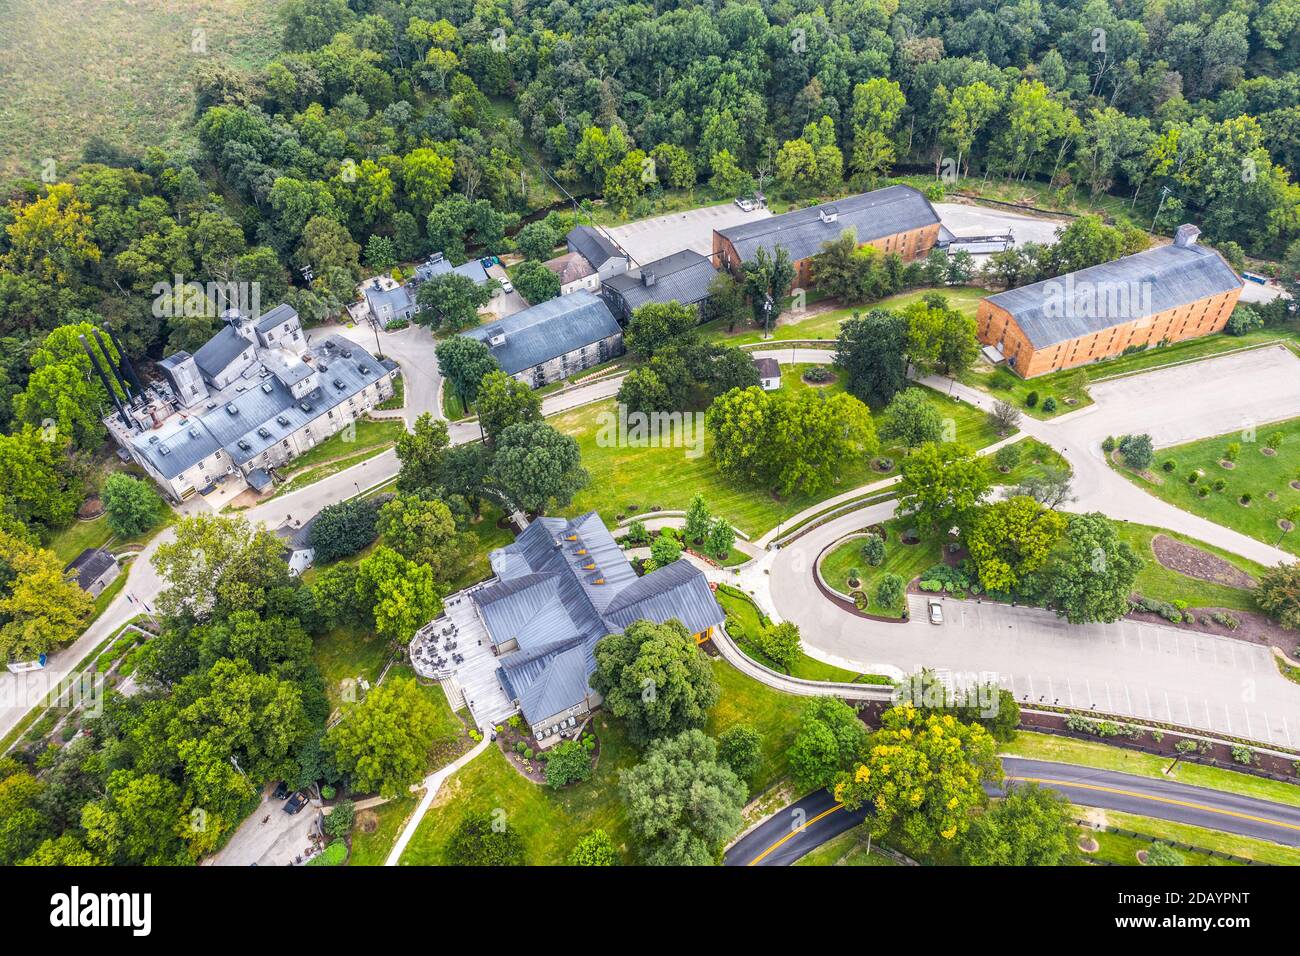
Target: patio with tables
x,y
455,649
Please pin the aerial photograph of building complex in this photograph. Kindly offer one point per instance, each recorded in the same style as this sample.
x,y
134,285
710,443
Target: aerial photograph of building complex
x,y
701,433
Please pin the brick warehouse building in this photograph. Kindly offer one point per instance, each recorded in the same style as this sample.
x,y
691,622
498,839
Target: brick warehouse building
x,y
1168,294
894,219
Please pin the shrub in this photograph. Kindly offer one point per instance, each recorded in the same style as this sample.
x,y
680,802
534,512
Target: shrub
x,y
1169,465
328,792
637,533
889,591
1049,404
334,855
1203,492
482,839
1193,477
1160,854
568,762
1031,399
873,550
1108,445
1233,451
339,822
855,577
1243,755
1007,457
1274,441
1220,484
1137,451
1225,620
1246,498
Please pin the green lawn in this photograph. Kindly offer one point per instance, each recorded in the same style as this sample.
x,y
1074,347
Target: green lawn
x,y
487,536
1157,581
398,398
743,617
1088,754
371,849
370,433
1122,849
668,477
773,714
847,849
347,653
905,560
549,822
826,325
77,536
1254,473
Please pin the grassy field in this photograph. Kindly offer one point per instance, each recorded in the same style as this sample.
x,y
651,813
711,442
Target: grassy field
x,y
905,560
371,849
1254,473
1088,754
347,653
75,69
1123,849
487,537
668,477
1157,581
743,621
826,325
847,849
551,822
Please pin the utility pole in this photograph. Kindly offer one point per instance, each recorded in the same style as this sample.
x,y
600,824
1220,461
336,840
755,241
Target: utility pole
x,y
1164,191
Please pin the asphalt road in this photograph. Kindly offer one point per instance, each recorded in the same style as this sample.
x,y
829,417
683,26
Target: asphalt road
x,y
789,834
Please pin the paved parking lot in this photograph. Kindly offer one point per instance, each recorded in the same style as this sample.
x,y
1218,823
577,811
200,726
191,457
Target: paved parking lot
x,y
964,220
649,239
269,836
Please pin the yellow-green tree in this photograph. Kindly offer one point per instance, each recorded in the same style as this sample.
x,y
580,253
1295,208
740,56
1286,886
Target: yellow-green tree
x,y
922,775
1012,538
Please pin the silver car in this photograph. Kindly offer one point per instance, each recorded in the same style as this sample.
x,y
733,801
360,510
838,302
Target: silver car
x,y
746,205
936,611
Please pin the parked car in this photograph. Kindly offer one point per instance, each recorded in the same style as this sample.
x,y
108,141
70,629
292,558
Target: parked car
x,y
295,803
936,611
506,287
281,791
746,205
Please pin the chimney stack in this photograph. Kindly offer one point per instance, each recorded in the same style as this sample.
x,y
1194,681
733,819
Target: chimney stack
x,y
1186,235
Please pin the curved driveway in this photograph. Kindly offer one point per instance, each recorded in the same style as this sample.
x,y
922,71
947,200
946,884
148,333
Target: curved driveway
x,y
789,834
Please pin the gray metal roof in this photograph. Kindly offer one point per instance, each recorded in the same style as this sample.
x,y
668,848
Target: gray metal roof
x,y
219,351
873,215
593,245
438,265
548,330
89,565
768,367
398,298
682,277
280,314
1113,293
548,600
261,407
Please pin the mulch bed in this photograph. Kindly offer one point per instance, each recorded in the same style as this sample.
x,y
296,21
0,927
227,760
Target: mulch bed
x,y
1252,627
1195,563
91,508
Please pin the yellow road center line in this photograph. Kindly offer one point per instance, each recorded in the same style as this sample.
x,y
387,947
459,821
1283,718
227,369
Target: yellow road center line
x,y
1158,799
756,860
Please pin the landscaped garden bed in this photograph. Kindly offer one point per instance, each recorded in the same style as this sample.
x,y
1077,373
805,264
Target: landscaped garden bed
x,y
1244,481
848,569
522,750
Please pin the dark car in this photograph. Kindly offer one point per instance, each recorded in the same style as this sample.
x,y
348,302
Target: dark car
x,y
295,803
281,791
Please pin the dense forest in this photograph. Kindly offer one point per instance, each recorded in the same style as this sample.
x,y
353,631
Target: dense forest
x,y
388,130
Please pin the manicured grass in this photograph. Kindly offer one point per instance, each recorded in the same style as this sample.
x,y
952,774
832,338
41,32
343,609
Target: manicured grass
x,y
1254,473
668,477
77,536
1088,754
451,405
487,536
371,849
398,398
744,620
1157,581
310,476
847,849
1007,385
826,325
549,822
370,433
773,714
905,560
347,653
1123,849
